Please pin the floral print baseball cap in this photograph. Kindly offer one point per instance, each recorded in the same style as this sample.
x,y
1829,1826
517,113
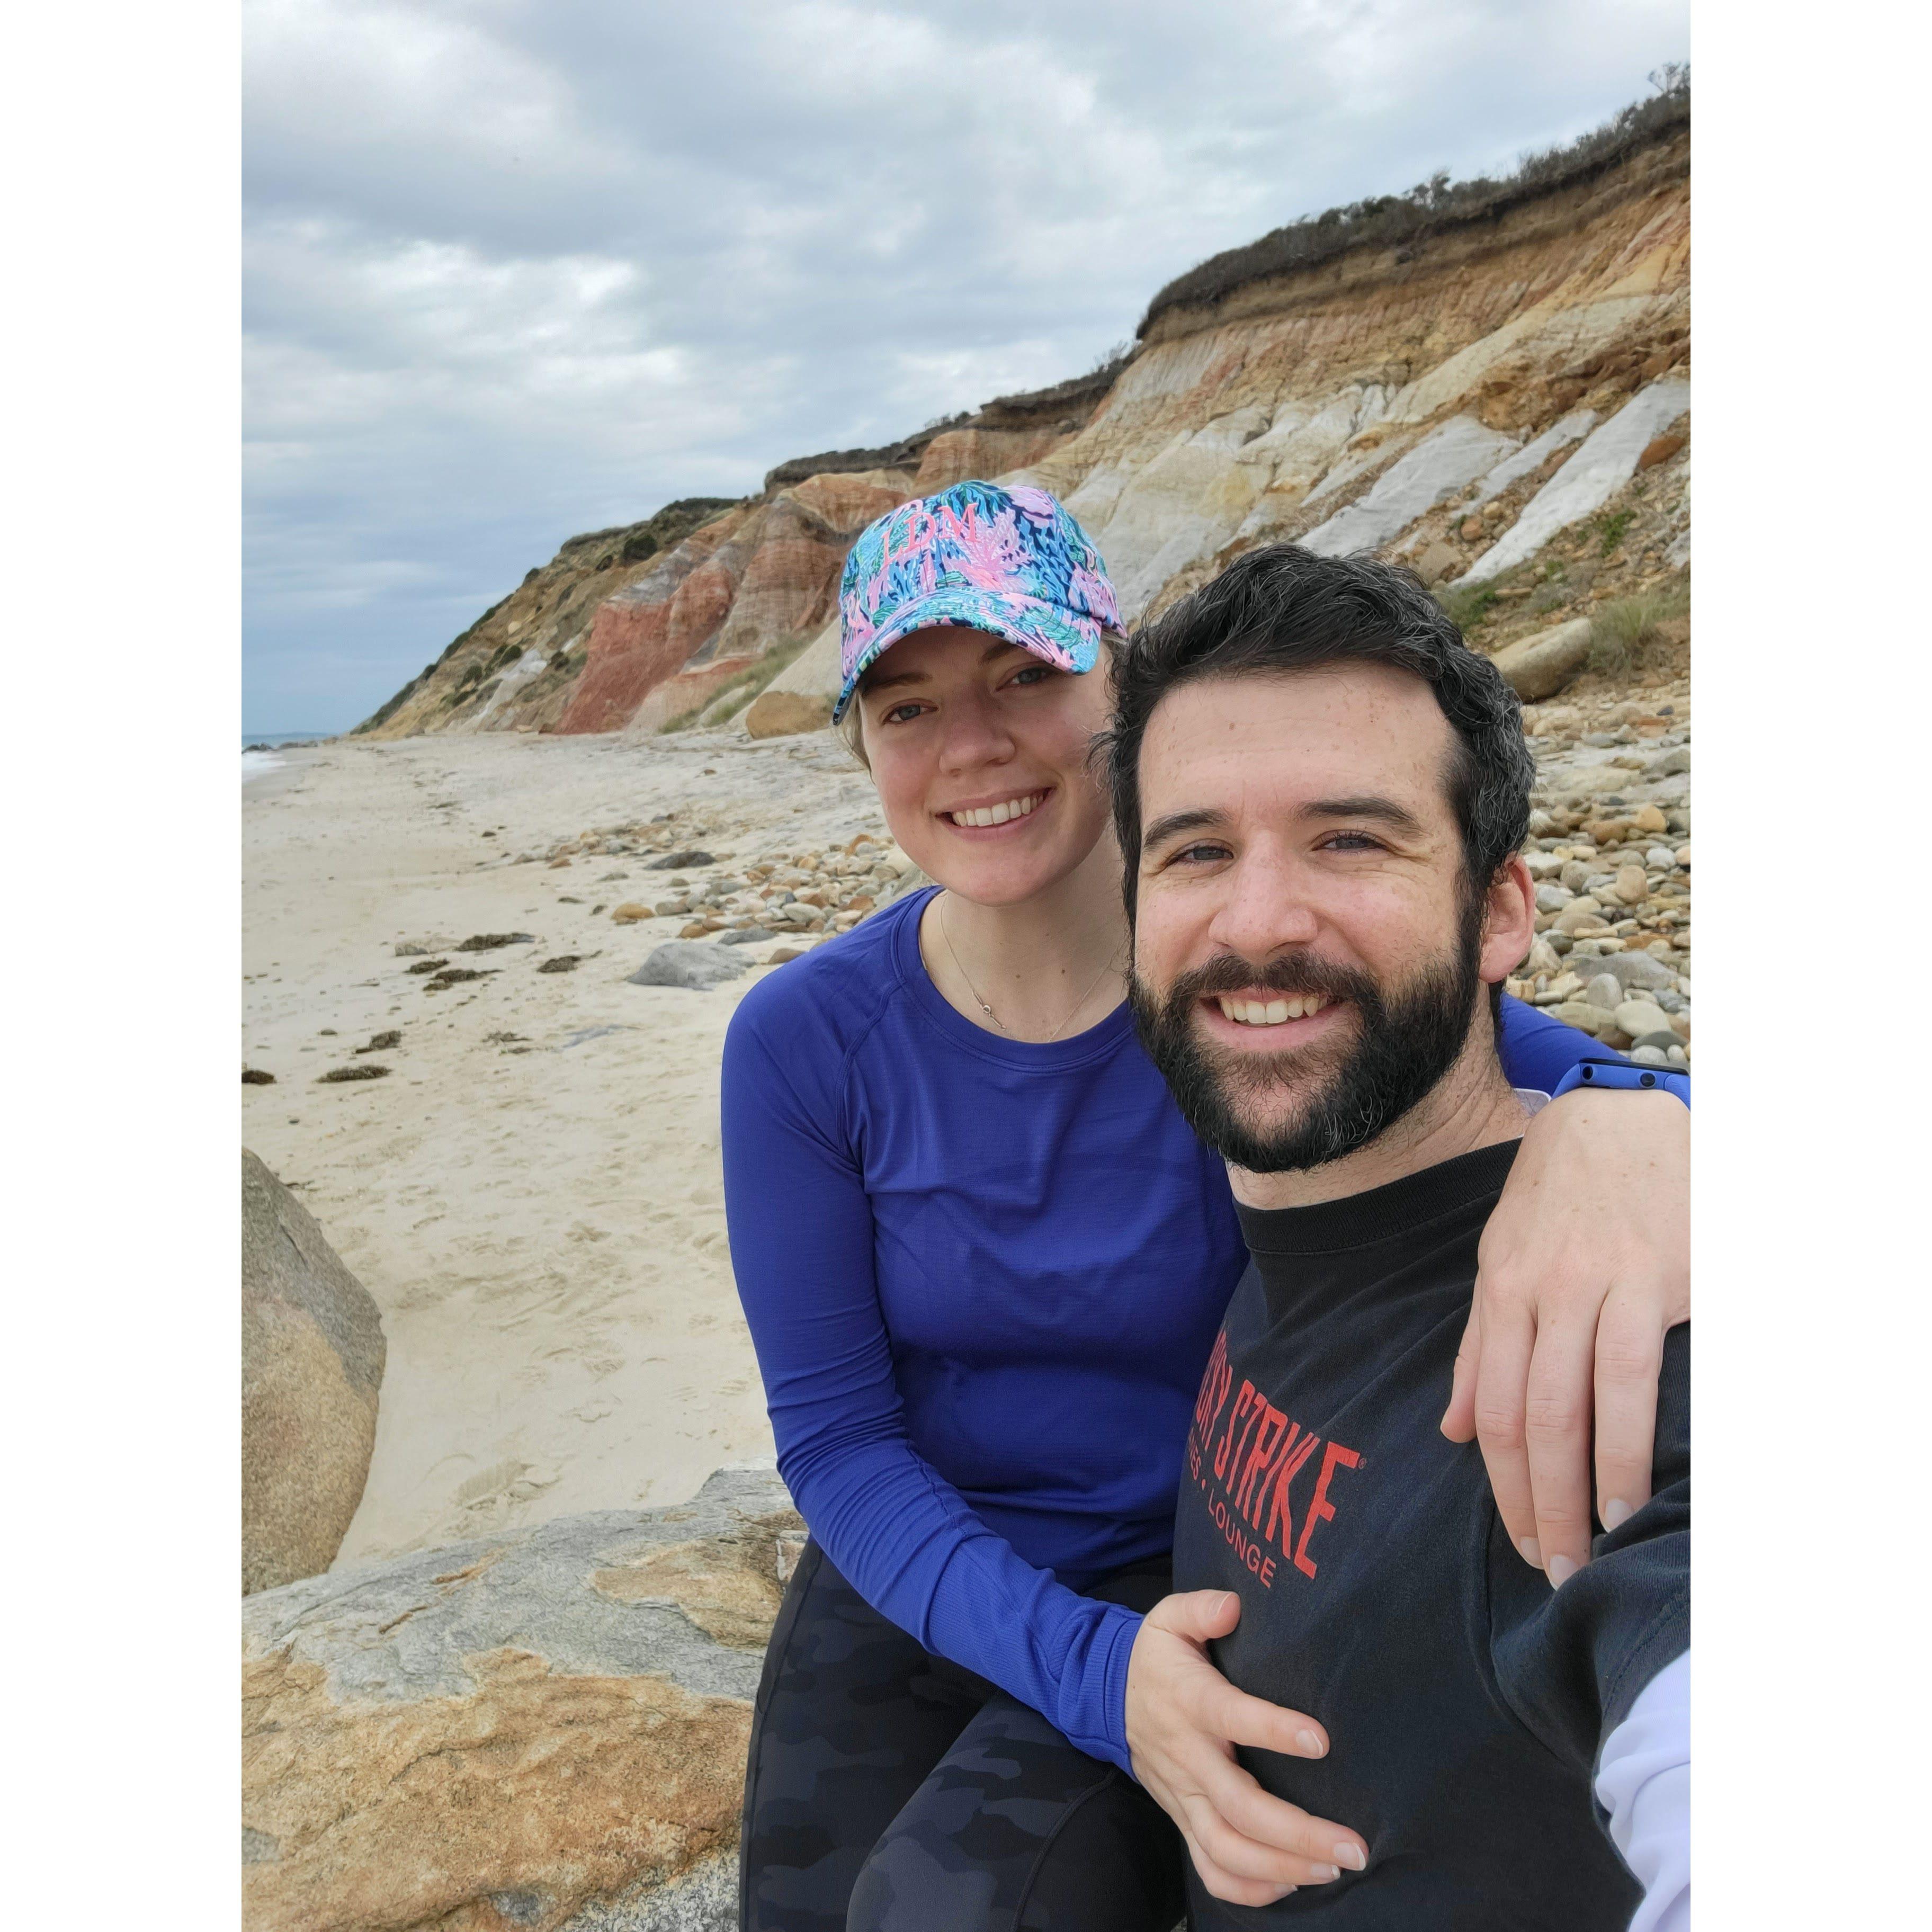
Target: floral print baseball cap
x,y
1013,561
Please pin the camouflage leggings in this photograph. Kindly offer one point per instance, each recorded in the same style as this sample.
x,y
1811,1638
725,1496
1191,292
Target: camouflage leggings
x,y
892,1791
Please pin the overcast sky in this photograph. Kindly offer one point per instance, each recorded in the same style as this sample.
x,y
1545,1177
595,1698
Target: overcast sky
x,y
518,268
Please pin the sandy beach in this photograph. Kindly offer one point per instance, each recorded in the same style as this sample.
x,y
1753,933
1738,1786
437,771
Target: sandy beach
x,y
532,1193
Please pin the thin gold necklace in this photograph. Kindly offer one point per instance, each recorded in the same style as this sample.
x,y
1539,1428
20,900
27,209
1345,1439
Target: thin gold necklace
x,y
946,934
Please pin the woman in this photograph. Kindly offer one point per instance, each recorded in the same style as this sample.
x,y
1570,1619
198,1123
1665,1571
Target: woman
x,y
983,1261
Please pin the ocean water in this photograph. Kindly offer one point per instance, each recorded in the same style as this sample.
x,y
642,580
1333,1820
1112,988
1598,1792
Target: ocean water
x,y
255,762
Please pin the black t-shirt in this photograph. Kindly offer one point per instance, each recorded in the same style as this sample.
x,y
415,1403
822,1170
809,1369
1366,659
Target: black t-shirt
x,y
1465,1700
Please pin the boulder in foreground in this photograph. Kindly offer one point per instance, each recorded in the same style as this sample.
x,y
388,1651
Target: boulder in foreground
x,y
543,1731
312,1358
1540,666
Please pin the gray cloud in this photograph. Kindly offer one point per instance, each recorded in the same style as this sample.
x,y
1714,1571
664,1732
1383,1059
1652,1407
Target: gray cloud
x,y
520,268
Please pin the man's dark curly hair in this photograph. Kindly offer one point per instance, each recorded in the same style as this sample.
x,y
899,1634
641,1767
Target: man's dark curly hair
x,y
1281,608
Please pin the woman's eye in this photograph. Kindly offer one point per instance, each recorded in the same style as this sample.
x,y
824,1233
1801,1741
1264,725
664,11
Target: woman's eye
x,y
899,713
1031,674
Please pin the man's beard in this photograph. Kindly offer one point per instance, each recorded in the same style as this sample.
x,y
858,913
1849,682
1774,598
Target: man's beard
x,y
1406,1041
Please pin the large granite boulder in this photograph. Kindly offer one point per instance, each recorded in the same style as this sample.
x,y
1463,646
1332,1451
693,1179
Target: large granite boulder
x,y
543,1731
312,1358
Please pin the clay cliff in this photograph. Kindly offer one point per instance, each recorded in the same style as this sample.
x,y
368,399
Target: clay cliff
x,y
1489,381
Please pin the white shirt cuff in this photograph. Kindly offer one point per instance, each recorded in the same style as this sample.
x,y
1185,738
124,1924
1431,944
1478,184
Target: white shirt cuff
x,y
1643,1780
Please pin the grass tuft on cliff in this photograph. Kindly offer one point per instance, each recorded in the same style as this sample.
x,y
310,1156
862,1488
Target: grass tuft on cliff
x,y
1625,633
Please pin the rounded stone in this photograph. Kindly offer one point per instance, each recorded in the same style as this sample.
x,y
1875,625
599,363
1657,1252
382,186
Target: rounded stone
x,y
692,963
1581,1014
1582,919
1639,1018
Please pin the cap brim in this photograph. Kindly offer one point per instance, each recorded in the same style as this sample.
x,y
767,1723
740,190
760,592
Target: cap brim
x,y
1025,621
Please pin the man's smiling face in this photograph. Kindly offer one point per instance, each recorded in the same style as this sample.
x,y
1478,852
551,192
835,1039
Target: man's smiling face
x,y
1309,953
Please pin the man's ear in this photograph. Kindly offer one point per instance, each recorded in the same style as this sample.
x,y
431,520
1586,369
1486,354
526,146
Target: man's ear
x,y
1509,921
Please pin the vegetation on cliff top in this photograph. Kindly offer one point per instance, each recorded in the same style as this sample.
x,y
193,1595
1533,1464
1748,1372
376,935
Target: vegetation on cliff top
x,y
1396,220
1075,400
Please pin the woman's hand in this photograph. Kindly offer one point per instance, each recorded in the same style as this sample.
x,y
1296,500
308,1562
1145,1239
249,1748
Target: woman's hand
x,y
1183,1720
1585,1263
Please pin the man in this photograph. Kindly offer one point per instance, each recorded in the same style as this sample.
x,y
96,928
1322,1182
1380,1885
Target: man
x,y
1314,780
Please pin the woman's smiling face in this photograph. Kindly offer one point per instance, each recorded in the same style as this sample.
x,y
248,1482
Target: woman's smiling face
x,y
979,752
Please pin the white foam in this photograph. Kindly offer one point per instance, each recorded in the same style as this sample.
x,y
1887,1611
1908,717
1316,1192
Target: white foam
x,y
255,764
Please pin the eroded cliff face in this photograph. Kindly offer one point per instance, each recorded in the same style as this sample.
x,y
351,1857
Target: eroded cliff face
x,y
1502,403
636,627
517,666
1383,403
746,584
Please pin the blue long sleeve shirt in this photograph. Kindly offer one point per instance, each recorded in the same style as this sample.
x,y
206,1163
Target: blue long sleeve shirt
x,y
982,1277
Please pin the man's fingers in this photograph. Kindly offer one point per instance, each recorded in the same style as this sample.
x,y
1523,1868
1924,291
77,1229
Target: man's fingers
x,y
1502,1380
1556,1438
1458,1419
1630,1355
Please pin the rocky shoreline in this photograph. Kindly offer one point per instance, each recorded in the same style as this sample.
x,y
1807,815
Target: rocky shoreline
x,y
1610,851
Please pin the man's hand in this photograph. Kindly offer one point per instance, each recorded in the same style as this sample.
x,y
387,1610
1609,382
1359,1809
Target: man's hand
x,y
1584,1265
1183,1720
